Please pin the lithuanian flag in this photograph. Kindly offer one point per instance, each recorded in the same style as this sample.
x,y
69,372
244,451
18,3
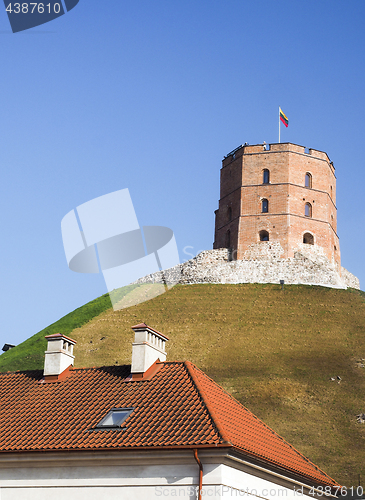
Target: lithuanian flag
x,y
283,118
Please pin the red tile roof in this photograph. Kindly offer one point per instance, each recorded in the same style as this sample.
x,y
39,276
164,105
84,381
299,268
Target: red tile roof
x,y
179,406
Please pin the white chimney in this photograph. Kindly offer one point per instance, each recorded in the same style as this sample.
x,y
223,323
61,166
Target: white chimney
x,y
148,347
59,354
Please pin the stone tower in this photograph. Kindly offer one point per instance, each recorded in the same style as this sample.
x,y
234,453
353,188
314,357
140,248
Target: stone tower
x,y
281,195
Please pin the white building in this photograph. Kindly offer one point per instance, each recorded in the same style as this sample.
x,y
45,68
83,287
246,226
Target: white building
x,y
156,429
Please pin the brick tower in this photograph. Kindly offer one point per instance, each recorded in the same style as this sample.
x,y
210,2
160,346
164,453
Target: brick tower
x,y
278,193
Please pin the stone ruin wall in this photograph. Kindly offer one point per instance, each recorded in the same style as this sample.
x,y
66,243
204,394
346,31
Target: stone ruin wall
x,y
262,264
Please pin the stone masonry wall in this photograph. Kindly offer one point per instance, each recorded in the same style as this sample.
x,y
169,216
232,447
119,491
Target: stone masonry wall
x,y
262,264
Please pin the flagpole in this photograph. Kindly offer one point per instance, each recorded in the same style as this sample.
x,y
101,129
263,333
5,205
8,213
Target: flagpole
x,y
279,124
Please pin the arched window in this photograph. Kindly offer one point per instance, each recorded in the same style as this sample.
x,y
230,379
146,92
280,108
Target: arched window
x,y
264,206
266,176
228,239
229,213
308,180
308,210
308,238
264,236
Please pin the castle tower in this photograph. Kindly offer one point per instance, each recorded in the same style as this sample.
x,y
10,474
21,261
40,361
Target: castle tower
x,y
281,193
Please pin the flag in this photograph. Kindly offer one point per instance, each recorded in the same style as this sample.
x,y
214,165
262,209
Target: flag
x,y
283,118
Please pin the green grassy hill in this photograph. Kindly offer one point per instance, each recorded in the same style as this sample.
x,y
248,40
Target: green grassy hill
x,y
274,350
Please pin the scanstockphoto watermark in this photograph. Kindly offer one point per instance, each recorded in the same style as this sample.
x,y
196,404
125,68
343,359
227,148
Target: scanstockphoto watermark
x,y
103,235
190,253
222,491
25,15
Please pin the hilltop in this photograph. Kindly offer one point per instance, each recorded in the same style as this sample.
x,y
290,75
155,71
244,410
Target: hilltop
x,y
274,350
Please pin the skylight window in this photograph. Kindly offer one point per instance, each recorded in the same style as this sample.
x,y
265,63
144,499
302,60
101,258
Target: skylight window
x,y
115,418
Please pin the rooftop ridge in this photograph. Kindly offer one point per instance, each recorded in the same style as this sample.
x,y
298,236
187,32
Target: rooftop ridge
x,y
189,367
257,455
72,368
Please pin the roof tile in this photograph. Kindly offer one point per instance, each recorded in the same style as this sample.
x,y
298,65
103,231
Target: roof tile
x,y
178,406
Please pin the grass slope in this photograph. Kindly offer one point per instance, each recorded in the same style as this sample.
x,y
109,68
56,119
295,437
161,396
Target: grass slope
x,y
29,355
274,350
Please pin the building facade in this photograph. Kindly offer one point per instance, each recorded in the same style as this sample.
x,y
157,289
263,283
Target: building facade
x,y
155,428
281,193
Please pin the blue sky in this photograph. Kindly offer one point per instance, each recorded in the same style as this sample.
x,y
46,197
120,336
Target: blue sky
x,y
150,95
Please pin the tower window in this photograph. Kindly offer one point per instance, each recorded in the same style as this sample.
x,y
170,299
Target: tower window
x,y
266,176
308,180
308,210
229,213
228,239
265,206
264,236
308,238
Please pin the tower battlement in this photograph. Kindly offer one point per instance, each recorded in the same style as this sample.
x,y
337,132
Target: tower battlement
x,y
283,193
276,147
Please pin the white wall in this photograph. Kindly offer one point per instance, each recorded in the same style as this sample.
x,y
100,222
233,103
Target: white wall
x,y
131,476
